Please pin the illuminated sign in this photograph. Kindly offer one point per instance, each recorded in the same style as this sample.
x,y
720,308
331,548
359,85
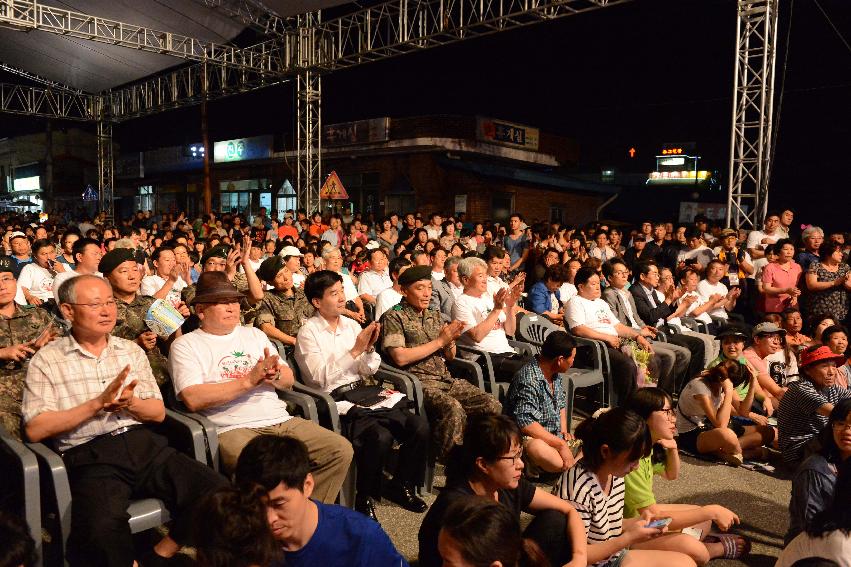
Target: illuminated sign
x,y
28,184
241,149
674,177
358,132
672,151
673,161
196,151
631,152
507,133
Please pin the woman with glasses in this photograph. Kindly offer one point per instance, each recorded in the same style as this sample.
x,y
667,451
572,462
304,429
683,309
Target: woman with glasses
x,y
657,409
815,480
490,464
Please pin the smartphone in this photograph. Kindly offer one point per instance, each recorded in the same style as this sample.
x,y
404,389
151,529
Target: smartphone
x,y
660,523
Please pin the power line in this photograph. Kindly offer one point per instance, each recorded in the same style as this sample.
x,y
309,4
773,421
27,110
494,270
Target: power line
x,y
832,25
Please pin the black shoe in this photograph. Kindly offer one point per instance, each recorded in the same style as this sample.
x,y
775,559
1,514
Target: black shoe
x,y
366,506
405,496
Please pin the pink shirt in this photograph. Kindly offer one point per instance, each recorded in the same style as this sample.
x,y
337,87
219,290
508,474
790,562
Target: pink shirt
x,y
775,276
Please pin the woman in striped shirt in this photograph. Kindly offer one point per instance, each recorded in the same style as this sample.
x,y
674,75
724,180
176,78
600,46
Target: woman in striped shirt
x,y
612,444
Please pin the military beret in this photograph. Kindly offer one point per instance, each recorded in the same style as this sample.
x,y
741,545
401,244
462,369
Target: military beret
x,y
270,268
7,264
220,251
115,258
415,274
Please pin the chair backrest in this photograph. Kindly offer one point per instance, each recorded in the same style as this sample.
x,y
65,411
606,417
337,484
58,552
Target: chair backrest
x,y
534,329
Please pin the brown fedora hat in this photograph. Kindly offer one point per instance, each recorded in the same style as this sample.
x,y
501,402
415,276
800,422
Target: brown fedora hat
x,y
214,287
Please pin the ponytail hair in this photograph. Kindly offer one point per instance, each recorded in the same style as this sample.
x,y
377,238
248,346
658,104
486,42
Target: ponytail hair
x,y
622,430
485,531
731,370
644,402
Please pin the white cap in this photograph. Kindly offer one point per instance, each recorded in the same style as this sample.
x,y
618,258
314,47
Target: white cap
x,y
16,234
290,251
372,245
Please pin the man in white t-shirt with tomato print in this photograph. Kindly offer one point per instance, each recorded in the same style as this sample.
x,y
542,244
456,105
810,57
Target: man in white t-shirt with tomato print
x,y
229,373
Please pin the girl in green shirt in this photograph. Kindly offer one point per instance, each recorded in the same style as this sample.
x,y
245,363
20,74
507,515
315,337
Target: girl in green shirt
x,y
656,407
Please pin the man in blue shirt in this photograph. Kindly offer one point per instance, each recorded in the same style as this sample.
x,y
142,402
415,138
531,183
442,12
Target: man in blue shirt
x,y
516,243
310,532
537,402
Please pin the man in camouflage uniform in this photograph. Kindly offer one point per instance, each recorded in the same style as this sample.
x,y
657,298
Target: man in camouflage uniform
x,y
21,336
225,259
285,308
119,267
415,338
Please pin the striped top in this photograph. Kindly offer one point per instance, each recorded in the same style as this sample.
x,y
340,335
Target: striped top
x,y
797,416
601,513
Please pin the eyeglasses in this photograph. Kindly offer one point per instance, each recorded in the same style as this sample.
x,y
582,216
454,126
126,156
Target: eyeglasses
x,y
621,272
842,426
97,306
514,459
669,412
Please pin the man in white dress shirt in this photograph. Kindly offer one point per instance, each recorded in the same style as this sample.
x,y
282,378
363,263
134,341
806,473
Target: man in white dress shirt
x,y
336,355
166,282
376,279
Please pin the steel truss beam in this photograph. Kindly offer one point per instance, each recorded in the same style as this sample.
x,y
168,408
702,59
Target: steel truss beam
x,y
48,102
265,57
753,109
253,13
403,26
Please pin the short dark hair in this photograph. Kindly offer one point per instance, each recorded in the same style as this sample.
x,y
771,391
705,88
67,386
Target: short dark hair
x,y
486,436
41,243
80,246
374,250
18,546
623,430
492,252
583,274
269,460
556,273
558,343
609,267
643,268
397,264
829,449
318,282
832,330
158,252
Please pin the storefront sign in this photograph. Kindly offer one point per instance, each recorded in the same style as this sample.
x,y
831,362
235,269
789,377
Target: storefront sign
x,y
358,132
258,147
28,184
507,133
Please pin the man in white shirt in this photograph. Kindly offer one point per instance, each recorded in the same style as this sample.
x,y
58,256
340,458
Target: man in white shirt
x,y
698,252
488,319
711,288
165,283
438,259
87,255
434,228
335,355
392,295
37,278
601,250
588,316
376,279
759,239
211,369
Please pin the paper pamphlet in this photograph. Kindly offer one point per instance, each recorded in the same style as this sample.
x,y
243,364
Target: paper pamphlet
x,y
163,319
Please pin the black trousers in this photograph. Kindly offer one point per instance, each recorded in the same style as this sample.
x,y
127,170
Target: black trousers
x,y
108,472
549,530
505,366
372,433
623,376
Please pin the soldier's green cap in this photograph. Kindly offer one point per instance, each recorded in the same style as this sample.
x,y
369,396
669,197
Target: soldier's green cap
x,y
115,258
270,268
220,251
415,274
7,264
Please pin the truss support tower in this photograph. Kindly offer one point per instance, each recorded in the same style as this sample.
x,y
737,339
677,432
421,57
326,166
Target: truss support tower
x,y
753,108
105,163
309,117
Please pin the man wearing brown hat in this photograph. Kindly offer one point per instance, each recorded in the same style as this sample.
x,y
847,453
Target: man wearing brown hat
x,y
25,329
416,339
808,402
120,268
214,372
284,308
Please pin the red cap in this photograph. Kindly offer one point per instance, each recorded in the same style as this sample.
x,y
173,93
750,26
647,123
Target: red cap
x,y
815,354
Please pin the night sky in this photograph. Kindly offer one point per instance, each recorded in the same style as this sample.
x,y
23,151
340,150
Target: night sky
x,y
637,75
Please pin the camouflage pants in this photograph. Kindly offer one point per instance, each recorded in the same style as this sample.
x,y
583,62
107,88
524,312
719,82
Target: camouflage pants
x,y
448,404
11,421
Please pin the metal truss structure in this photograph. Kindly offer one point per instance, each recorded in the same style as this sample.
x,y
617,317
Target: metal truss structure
x,y
305,47
753,109
106,162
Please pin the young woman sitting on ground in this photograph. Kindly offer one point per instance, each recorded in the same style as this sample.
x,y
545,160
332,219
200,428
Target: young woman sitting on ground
x,y
657,409
705,417
612,445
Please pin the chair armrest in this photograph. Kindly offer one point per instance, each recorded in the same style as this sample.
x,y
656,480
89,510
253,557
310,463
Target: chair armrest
x,y
520,347
597,349
211,434
471,371
325,405
55,489
24,460
177,427
303,402
404,382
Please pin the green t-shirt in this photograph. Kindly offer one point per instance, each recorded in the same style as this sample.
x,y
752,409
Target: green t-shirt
x,y
743,388
639,487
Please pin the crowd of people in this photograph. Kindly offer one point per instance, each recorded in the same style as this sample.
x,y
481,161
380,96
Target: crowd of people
x,y
726,345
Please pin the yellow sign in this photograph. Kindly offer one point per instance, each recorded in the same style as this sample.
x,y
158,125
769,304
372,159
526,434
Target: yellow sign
x,y
333,188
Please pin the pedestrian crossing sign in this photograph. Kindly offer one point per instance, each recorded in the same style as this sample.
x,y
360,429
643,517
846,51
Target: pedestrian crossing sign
x,y
333,188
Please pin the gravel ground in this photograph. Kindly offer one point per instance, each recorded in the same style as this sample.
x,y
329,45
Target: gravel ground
x,y
758,498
